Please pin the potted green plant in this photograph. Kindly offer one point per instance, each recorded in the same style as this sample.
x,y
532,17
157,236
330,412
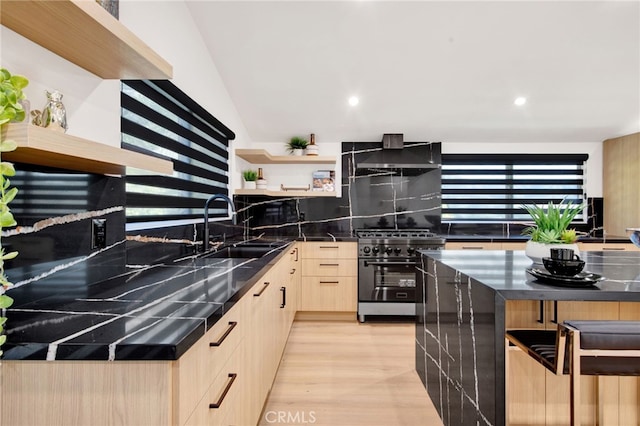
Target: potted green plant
x,y
250,177
551,229
11,110
296,145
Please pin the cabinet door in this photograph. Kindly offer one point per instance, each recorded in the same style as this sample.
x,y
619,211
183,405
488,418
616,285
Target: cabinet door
x,y
260,340
222,403
330,294
197,368
293,289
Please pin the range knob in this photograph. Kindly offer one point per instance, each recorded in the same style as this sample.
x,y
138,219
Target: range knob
x,y
388,250
397,250
375,250
366,249
410,250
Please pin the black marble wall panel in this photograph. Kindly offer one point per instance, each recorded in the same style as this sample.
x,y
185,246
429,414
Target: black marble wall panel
x,y
592,227
54,210
377,198
456,344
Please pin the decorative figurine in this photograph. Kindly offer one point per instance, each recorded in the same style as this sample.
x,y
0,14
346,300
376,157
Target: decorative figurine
x,y
54,115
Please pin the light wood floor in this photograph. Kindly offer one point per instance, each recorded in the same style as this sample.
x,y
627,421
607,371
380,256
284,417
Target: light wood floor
x,y
341,373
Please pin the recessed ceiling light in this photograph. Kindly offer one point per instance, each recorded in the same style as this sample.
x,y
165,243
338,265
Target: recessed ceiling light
x,y
353,100
520,101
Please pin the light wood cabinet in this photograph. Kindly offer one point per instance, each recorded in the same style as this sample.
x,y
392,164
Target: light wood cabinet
x,y
233,364
539,397
223,399
607,247
329,277
196,370
620,181
272,307
483,245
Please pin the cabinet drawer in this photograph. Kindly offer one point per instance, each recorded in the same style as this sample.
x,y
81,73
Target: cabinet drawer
x,y
329,250
472,246
329,294
222,402
196,369
329,267
607,247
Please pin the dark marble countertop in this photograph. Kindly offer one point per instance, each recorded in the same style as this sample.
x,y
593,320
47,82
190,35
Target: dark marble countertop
x,y
524,238
505,272
146,312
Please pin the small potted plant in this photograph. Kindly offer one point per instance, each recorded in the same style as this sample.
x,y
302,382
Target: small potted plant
x,y
551,229
11,110
296,145
250,177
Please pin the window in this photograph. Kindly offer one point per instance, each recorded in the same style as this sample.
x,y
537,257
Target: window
x,y
159,119
493,187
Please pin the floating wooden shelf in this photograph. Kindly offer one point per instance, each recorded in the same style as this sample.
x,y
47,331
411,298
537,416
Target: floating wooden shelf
x,y
84,33
46,147
270,193
260,156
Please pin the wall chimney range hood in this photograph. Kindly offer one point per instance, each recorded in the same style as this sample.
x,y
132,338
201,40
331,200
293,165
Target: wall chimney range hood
x,y
394,157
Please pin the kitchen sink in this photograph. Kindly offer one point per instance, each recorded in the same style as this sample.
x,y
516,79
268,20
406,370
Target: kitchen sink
x,y
245,251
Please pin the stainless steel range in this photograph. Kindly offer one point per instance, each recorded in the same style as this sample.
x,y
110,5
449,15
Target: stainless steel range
x,y
386,269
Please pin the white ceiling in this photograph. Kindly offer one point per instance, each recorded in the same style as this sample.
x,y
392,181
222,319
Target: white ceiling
x,y
436,71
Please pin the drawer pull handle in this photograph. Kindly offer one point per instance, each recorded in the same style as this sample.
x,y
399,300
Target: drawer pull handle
x,y
613,248
232,325
284,297
329,282
472,248
402,295
329,264
218,403
293,271
329,247
258,294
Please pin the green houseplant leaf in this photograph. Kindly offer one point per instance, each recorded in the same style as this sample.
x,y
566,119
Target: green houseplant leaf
x,y
11,110
552,222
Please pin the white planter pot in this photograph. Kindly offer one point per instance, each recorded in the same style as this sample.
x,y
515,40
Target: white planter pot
x,y
536,251
298,152
249,184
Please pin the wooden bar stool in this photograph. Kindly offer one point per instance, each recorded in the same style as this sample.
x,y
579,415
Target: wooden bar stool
x,y
589,347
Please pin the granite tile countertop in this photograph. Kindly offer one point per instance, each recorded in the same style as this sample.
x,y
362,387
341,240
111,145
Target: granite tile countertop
x,y
150,312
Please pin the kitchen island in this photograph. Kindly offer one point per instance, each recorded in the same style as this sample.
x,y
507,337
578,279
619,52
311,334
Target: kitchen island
x,y
466,299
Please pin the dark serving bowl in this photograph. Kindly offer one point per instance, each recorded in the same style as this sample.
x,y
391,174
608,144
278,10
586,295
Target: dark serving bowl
x,y
567,268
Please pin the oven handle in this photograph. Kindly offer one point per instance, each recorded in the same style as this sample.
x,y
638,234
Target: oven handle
x,y
367,263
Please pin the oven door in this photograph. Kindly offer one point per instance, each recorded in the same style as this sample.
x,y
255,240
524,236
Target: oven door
x,y
386,280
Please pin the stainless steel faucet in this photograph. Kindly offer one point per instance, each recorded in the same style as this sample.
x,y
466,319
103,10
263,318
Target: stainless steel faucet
x,y
206,216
